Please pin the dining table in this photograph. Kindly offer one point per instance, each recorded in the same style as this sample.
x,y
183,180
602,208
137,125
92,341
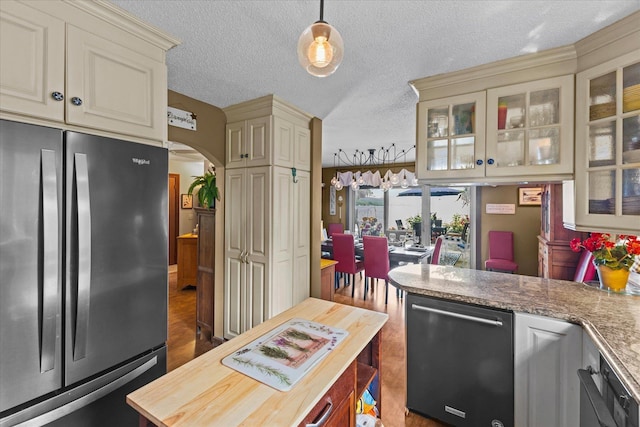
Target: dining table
x,y
397,254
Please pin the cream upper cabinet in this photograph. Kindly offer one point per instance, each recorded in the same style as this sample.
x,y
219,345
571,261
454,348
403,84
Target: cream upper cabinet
x,y
607,181
291,145
32,58
84,66
113,88
249,142
451,137
530,128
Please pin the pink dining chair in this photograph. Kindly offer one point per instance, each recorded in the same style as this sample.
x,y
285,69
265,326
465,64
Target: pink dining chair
x,y
335,227
376,263
585,271
501,252
435,255
344,251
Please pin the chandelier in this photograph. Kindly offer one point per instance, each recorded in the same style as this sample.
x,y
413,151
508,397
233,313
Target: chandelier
x,y
371,157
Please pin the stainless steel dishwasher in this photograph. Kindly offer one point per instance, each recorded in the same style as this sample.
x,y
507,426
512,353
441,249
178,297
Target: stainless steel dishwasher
x,y
459,362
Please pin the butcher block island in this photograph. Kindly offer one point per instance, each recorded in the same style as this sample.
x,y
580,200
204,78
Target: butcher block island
x,y
206,392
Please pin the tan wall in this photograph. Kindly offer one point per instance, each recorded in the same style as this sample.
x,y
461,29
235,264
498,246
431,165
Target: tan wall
x,y
208,139
525,225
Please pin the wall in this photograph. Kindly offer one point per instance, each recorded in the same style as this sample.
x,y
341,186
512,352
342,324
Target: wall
x,y
525,225
209,140
187,169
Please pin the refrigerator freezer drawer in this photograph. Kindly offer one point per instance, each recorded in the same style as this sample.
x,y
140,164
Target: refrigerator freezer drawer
x,y
99,402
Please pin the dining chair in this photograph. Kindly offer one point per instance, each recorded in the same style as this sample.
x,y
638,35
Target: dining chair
x,y
335,227
585,270
501,252
376,263
344,251
435,255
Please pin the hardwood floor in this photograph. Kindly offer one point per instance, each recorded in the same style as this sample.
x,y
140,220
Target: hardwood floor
x,y
184,346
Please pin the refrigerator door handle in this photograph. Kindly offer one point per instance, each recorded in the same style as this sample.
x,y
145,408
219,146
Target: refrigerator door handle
x,y
458,315
51,259
84,256
88,398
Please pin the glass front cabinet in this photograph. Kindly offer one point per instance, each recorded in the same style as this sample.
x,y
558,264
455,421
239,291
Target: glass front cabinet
x,y
607,176
530,128
451,136
522,131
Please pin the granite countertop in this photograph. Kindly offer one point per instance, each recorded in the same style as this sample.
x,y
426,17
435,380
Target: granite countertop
x,y
612,321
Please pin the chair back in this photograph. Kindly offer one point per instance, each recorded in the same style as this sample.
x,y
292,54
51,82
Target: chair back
x,y
585,271
344,251
376,257
501,245
334,227
435,255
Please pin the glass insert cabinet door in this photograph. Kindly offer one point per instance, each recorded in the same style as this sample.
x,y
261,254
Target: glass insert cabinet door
x,y
451,137
608,145
530,127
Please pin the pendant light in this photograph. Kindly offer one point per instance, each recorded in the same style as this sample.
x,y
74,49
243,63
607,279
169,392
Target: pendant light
x,y
320,47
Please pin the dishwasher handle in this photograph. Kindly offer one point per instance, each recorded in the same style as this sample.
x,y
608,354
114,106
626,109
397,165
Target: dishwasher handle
x,y
484,321
595,398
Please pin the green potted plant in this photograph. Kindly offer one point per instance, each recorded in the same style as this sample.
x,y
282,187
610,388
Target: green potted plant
x,y
416,223
208,192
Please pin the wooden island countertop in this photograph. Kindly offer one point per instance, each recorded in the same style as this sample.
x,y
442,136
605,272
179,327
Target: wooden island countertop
x,y
205,392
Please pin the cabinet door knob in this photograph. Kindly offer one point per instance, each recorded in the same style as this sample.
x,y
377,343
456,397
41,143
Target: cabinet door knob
x,y
58,96
479,162
76,101
490,161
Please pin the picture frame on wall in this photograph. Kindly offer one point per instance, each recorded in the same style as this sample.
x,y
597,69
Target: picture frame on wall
x,y
186,201
530,196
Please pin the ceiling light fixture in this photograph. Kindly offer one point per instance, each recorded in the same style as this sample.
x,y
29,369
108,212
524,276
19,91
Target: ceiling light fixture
x,y
320,47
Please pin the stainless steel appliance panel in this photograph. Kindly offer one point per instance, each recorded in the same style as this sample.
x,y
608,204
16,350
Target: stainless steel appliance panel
x,y
117,252
459,362
30,262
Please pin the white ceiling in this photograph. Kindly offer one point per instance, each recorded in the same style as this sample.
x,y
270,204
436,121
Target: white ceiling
x,y
236,50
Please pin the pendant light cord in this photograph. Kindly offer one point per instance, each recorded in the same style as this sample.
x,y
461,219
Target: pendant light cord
x,y
321,10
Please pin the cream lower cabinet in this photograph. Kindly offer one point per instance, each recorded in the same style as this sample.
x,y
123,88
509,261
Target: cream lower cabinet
x,y
548,354
247,248
61,63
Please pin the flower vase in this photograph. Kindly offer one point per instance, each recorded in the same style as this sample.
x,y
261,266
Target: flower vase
x,y
614,280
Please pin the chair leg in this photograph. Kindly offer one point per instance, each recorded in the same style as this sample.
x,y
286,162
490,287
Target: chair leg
x,y
336,280
353,289
366,285
386,291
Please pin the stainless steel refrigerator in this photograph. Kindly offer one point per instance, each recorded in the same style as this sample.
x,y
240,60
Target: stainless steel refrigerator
x,y
83,275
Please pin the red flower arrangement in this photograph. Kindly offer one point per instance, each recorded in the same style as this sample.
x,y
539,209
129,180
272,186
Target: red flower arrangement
x,y
605,252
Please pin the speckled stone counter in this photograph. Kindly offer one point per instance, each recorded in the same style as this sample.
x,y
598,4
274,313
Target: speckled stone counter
x,y
612,321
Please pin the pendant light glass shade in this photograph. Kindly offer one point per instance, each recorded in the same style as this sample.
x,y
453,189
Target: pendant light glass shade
x,y
320,48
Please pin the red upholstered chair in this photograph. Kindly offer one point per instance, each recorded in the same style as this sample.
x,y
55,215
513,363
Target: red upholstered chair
x,y
435,255
501,252
376,263
335,227
585,271
344,251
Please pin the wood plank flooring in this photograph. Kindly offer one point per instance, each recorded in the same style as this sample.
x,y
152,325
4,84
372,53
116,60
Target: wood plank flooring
x,y
184,346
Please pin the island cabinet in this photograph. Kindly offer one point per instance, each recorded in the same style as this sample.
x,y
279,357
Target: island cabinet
x,y
85,64
326,395
504,121
267,211
547,356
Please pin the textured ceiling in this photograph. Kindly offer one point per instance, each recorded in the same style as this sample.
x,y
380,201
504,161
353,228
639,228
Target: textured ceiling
x,y
236,50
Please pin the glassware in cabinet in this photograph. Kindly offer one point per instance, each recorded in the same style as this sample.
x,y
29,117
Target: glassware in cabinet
x,y
530,128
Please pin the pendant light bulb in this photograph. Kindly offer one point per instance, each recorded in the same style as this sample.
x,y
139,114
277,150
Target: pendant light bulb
x,y
395,179
339,186
320,48
333,180
361,180
404,183
414,182
354,185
